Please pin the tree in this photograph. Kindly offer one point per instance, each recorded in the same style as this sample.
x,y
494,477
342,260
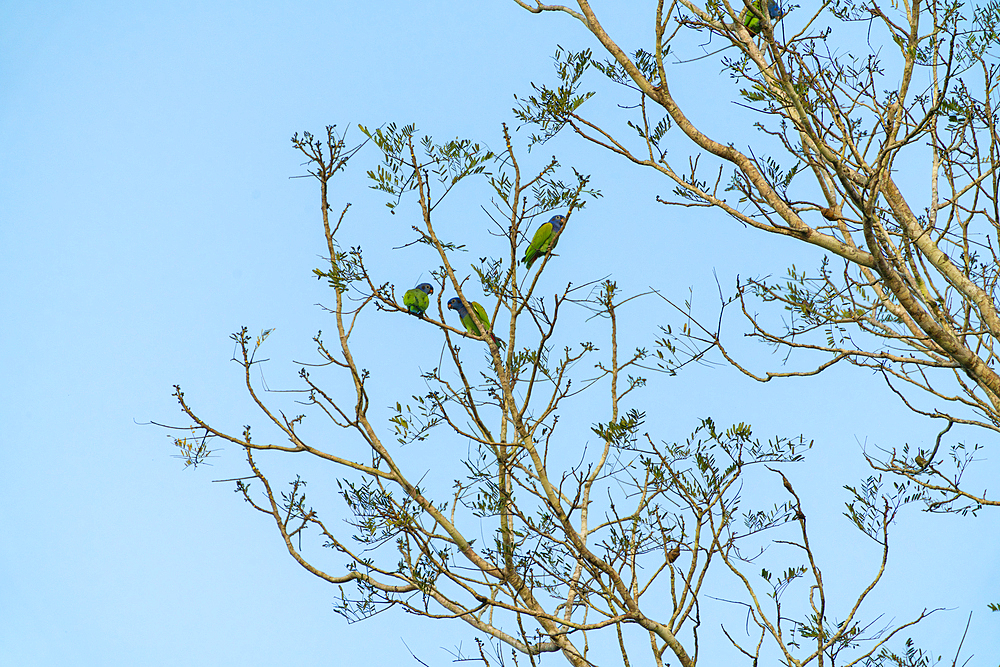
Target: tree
x,y
545,546
585,551
884,155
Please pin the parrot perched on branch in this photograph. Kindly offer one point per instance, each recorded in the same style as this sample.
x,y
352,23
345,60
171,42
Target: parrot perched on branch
x,y
479,328
544,239
416,300
753,22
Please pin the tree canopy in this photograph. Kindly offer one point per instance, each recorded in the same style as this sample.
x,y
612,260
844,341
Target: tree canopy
x,y
570,527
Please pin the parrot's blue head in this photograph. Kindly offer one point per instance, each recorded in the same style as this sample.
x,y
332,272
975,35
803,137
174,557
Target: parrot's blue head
x,y
426,287
454,303
774,9
557,222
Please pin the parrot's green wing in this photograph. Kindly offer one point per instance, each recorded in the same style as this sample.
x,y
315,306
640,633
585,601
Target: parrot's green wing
x,y
753,22
482,328
539,244
481,315
416,301
484,320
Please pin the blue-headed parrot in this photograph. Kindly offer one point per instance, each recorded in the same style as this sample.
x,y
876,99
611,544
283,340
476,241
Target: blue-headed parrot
x,y
416,300
474,328
753,22
544,240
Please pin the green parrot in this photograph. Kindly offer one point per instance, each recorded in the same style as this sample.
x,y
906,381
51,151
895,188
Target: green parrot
x,y
544,240
416,300
479,328
753,23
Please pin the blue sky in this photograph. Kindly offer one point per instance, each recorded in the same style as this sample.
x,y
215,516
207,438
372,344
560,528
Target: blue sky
x,y
147,212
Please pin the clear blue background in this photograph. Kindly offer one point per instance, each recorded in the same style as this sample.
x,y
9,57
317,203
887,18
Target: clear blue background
x,y
147,212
